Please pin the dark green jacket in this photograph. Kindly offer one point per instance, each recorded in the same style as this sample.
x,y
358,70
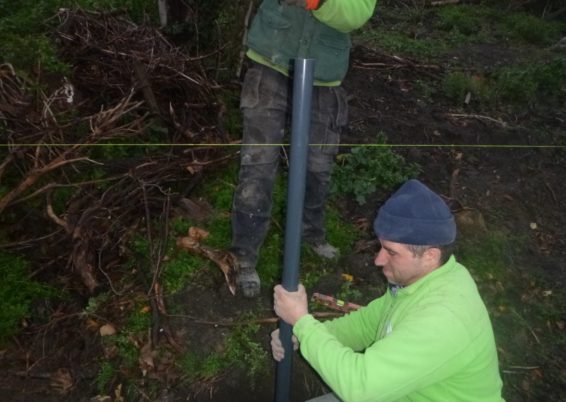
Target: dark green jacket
x,y
280,33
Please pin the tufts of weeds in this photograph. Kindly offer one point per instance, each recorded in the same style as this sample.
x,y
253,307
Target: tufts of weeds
x,y
466,19
526,310
340,233
126,342
530,29
349,293
369,168
399,42
240,351
16,306
487,255
96,303
457,85
104,377
539,81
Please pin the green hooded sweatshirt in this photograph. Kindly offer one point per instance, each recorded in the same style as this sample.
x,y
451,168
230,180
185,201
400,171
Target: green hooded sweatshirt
x,y
430,341
281,33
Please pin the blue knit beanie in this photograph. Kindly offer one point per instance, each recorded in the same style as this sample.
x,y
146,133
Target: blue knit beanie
x,y
416,215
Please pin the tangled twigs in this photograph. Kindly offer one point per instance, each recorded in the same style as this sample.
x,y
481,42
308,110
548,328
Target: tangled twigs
x,y
112,55
62,142
48,156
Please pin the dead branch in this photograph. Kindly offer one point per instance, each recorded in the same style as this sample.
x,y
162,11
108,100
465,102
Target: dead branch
x,y
477,116
225,260
373,59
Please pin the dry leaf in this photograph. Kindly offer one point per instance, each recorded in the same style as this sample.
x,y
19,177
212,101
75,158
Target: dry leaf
x,y
107,330
61,381
118,394
92,325
146,358
101,398
198,233
227,262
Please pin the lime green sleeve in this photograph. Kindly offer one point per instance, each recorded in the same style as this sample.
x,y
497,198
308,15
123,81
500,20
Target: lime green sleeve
x,y
365,320
345,15
425,348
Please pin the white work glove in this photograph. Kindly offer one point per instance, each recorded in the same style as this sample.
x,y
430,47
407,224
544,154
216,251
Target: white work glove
x,y
277,349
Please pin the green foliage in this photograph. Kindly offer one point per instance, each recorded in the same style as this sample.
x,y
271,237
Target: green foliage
x,y
23,52
128,351
240,351
398,42
135,327
95,303
218,188
533,30
340,233
138,321
369,168
422,33
17,293
487,255
180,269
270,261
105,375
457,85
24,24
540,80
349,293
466,19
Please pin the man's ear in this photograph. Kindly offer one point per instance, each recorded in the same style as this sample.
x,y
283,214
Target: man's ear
x,y
432,256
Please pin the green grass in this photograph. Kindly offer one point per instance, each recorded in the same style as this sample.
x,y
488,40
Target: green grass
x,y
17,305
106,373
487,255
525,28
540,82
526,308
240,350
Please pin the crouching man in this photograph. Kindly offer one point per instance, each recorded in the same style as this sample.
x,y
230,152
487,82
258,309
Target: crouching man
x,y
428,338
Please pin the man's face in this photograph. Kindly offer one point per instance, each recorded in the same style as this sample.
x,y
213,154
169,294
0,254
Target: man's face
x,y
400,265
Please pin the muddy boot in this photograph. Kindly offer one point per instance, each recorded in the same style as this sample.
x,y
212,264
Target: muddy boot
x,y
248,281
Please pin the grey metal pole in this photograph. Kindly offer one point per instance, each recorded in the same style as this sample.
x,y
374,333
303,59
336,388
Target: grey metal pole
x,y
300,127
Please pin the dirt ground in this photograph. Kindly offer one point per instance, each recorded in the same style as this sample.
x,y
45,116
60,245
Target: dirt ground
x,y
501,171
504,167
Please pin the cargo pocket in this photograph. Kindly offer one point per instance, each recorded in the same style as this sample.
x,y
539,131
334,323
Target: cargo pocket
x,y
342,107
336,106
332,57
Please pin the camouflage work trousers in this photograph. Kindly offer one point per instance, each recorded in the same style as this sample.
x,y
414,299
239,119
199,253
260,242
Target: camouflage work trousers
x,y
266,107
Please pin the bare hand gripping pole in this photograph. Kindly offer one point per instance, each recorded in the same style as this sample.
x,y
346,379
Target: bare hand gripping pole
x,y
301,121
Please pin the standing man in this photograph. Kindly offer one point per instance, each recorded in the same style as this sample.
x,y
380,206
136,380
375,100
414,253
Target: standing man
x,y
282,31
429,338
